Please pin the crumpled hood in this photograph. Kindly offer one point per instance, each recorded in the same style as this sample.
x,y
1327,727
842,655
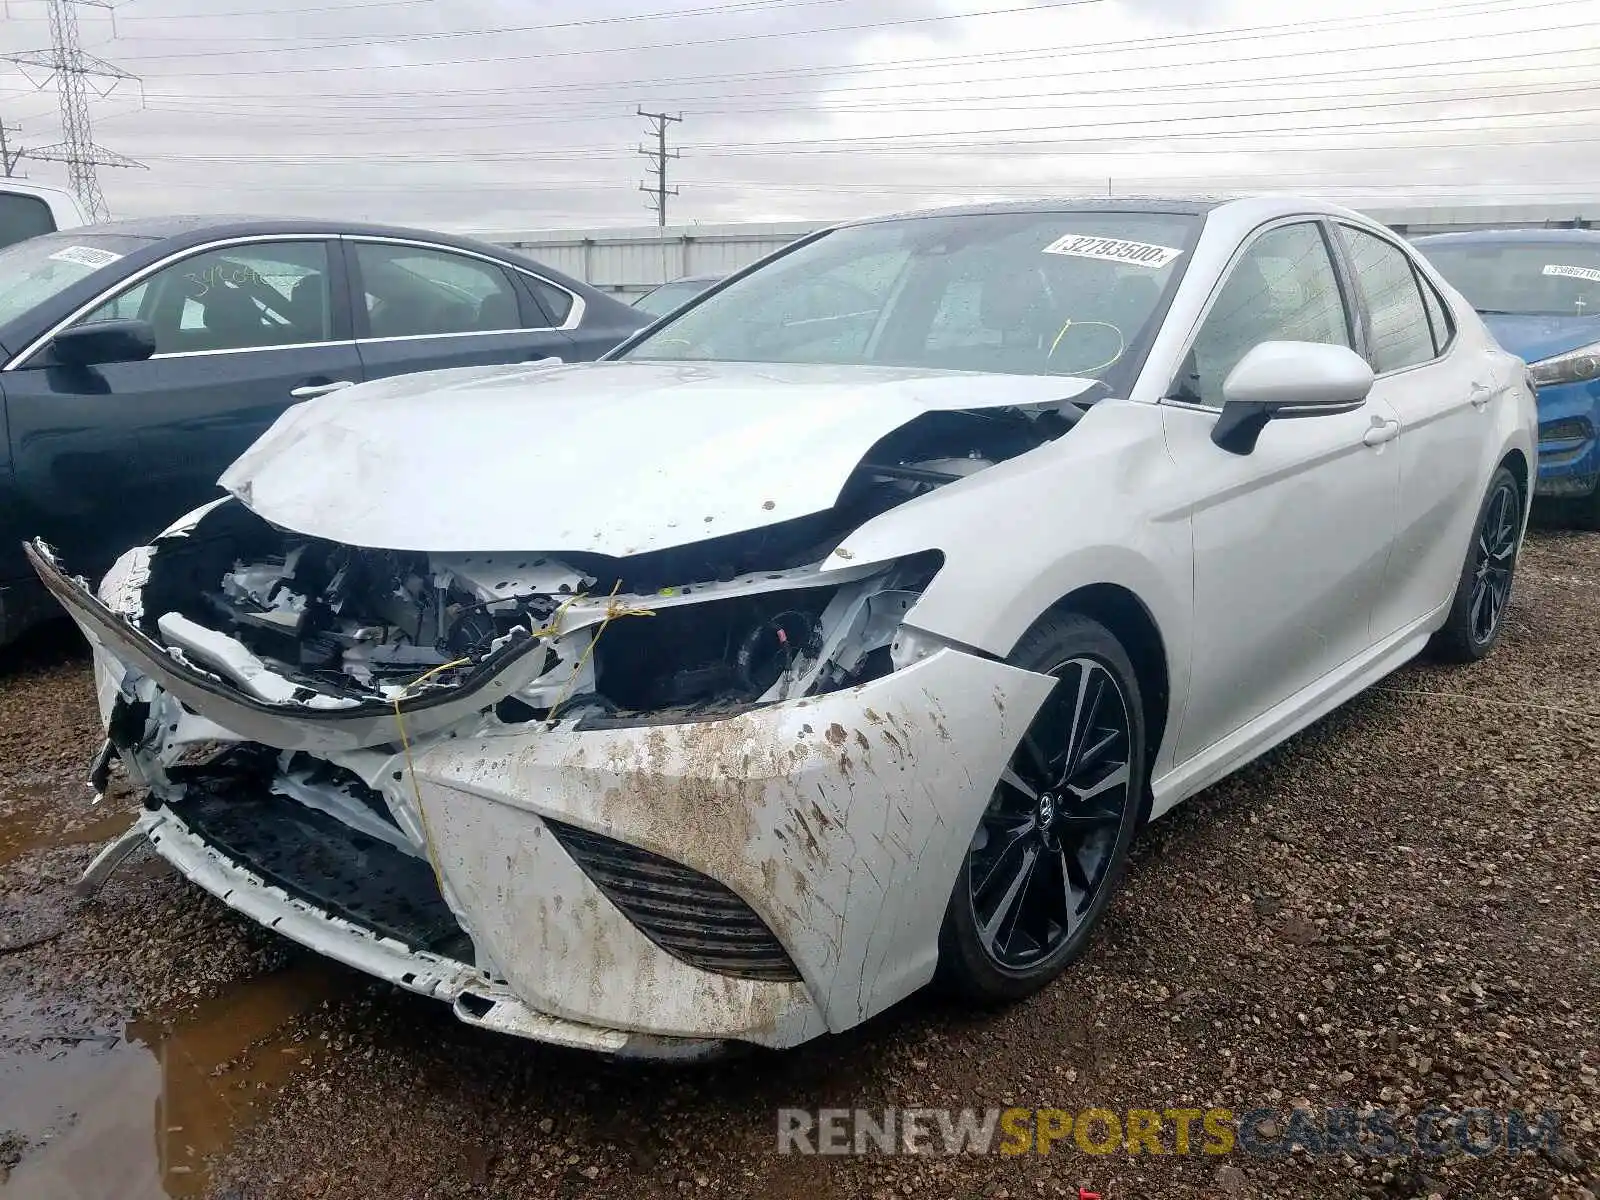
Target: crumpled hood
x,y
614,458
1535,337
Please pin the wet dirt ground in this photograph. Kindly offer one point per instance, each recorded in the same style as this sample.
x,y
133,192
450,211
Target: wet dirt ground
x,y
1399,908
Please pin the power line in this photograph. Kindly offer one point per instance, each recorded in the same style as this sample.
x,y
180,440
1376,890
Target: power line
x,y
71,68
344,41
716,41
1075,48
657,195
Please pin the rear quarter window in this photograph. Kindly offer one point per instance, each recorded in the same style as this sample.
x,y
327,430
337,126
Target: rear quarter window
x,y
23,217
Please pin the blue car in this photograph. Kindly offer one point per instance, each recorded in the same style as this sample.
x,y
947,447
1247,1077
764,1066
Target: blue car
x,y
1539,292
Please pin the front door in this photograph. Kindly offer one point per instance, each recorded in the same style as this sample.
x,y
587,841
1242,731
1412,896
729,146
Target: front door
x,y
1290,540
108,456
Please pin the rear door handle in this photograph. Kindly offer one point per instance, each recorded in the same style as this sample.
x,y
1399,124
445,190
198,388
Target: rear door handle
x,y
1382,431
307,391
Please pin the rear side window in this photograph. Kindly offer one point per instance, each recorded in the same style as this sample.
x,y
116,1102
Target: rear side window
x,y
1444,329
413,291
1401,334
554,300
23,217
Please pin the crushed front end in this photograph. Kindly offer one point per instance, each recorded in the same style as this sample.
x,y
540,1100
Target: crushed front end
x,y
645,806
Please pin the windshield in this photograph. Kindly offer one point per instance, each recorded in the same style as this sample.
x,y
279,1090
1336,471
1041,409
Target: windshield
x,y
1027,293
1554,278
33,271
662,300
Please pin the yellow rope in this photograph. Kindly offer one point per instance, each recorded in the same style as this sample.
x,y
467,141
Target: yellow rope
x,y
551,627
613,611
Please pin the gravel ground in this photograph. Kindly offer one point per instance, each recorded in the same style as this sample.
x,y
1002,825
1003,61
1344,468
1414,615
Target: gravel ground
x,y
1397,909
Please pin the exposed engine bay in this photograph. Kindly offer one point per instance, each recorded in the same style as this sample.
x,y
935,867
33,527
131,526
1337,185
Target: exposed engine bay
x,y
733,621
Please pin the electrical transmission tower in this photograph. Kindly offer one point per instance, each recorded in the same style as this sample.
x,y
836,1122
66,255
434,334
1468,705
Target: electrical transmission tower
x,y
72,70
658,191
8,156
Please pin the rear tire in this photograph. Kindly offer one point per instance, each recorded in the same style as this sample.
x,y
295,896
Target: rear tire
x,y
1483,593
1051,846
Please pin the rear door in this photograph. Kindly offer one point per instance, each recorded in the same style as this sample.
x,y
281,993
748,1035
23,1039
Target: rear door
x,y
421,307
108,456
1443,400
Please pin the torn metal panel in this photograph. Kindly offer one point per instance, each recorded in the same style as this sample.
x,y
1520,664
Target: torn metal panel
x,y
661,454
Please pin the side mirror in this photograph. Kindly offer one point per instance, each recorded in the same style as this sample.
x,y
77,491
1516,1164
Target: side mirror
x,y
104,342
1276,381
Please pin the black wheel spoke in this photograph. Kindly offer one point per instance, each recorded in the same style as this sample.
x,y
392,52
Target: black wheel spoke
x,y
1001,925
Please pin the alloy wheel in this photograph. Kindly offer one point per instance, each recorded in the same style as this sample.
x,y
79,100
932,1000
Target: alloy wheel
x,y
1493,560
1045,844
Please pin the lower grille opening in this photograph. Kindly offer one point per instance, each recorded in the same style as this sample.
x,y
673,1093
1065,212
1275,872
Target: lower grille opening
x,y
232,804
689,915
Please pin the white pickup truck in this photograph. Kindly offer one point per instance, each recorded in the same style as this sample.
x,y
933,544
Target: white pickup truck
x,y
27,209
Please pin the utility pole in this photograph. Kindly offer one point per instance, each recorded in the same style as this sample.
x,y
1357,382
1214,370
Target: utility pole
x,y
71,68
658,192
8,156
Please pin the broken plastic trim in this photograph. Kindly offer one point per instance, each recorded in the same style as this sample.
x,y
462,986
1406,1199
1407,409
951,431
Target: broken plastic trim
x,y
154,661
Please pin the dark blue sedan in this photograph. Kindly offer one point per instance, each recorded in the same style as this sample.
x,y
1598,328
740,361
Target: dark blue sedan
x,y
139,358
1539,293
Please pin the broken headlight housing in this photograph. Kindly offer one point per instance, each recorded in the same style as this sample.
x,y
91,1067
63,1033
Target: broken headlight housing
x,y
1575,366
700,661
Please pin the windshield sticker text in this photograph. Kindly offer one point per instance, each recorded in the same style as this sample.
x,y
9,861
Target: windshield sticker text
x,y
1590,273
1143,254
86,256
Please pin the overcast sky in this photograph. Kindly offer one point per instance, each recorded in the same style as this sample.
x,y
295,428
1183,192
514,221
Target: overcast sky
x,y
494,115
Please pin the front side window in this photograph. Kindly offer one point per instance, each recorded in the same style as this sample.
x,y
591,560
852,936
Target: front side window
x,y
1401,333
244,297
1036,293
417,292
1283,288
1542,278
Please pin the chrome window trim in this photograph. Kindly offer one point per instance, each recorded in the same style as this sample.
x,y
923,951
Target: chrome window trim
x,y
20,359
251,349
574,314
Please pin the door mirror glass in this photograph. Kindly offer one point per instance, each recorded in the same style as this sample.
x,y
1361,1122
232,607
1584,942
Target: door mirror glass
x,y
1280,380
123,340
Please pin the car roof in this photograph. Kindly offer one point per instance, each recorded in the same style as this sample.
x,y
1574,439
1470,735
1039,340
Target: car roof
x,y
1181,206
1471,237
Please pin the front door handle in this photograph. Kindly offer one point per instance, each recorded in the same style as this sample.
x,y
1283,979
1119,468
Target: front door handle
x,y
309,390
1382,431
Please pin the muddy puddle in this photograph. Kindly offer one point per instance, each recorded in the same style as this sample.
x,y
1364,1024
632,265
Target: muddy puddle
x,y
96,1111
38,817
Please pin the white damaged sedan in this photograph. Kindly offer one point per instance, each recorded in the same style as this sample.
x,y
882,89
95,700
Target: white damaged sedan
x,y
838,632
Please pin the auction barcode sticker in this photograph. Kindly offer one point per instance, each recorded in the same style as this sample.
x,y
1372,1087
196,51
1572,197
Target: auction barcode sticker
x,y
86,256
1589,273
1143,254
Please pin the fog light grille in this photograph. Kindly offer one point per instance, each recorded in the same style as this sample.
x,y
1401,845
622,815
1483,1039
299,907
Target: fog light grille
x,y
1570,429
689,915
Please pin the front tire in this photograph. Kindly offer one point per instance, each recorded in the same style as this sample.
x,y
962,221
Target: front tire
x,y
1483,592
1051,846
